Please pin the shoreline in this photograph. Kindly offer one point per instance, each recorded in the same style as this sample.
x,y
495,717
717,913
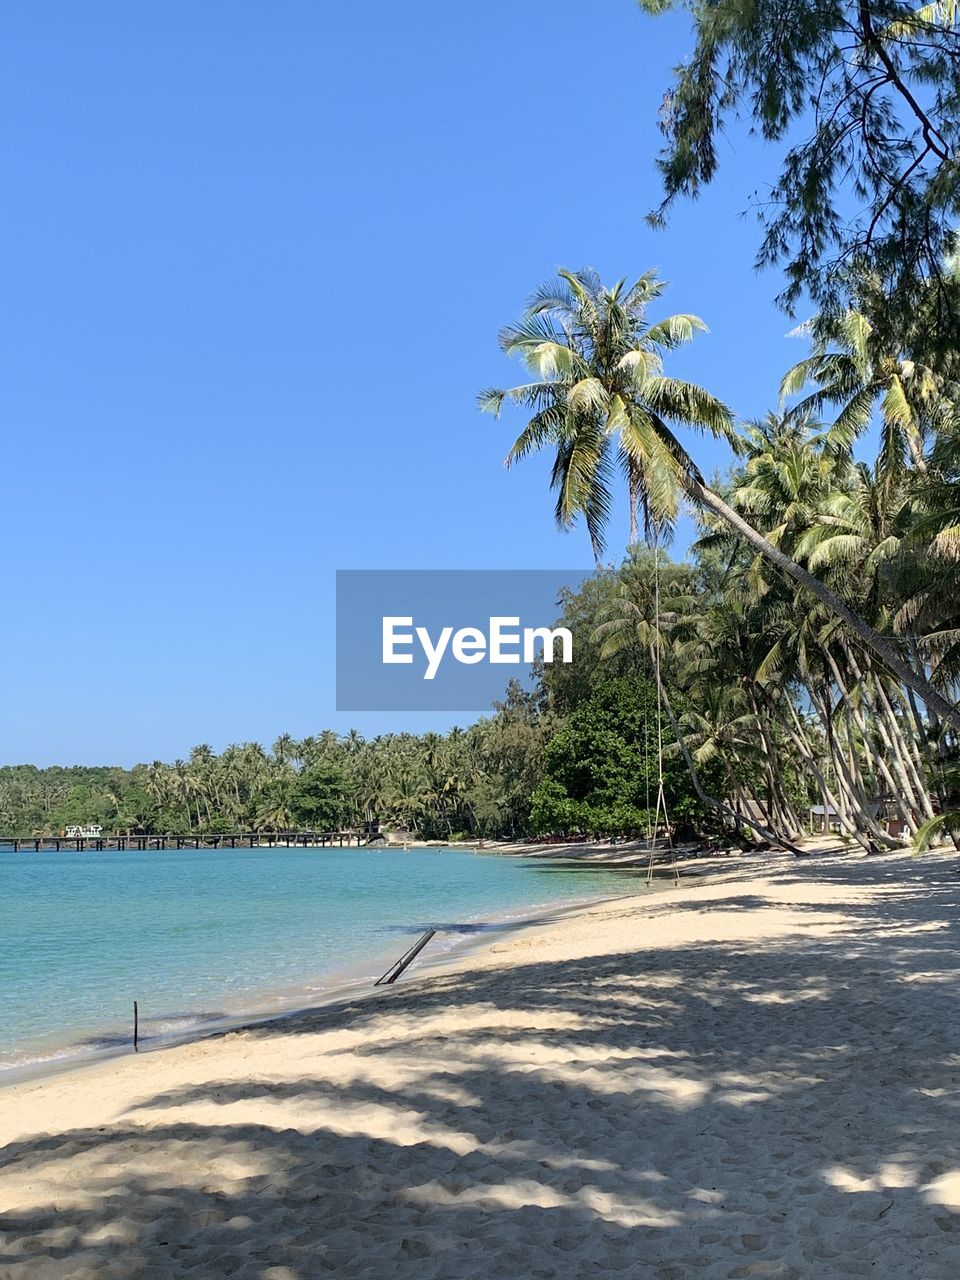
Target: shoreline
x,y
349,988
354,981
345,996
264,1005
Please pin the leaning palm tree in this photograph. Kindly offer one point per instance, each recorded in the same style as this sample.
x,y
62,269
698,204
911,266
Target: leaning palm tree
x,y
600,397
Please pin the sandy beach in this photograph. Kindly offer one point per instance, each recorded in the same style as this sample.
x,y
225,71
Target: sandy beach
x,y
753,1075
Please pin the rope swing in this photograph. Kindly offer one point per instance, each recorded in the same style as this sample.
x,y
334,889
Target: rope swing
x,y
661,794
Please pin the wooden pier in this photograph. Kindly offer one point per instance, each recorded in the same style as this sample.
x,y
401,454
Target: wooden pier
x,y
228,840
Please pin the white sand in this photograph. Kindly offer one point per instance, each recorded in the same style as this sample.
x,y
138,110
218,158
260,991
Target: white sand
x,y
748,1077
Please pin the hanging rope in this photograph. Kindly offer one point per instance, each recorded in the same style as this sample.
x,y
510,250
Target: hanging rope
x,y
646,772
661,794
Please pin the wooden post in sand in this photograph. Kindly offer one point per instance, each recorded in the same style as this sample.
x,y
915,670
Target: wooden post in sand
x,y
136,1027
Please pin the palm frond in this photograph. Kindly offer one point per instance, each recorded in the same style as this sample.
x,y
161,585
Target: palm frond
x,y
687,404
589,395
545,427
675,330
853,420
840,548
926,834
533,395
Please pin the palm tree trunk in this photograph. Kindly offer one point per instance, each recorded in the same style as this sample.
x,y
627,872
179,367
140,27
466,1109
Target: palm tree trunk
x,y
891,732
935,737
900,789
829,800
904,763
904,745
778,790
928,748
700,492
849,793
906,748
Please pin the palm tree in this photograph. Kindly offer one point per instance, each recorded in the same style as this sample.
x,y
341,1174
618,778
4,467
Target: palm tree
x,y
159,784
602,397
600,391
182,790
858,368
286,749
231,767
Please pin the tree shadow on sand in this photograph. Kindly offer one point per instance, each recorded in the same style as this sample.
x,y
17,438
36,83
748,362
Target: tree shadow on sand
x,y
705,1111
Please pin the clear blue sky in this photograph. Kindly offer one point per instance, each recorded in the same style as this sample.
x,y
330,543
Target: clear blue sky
x,y
255,258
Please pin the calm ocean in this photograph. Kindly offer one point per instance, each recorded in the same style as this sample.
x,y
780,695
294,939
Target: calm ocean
x,y
196,937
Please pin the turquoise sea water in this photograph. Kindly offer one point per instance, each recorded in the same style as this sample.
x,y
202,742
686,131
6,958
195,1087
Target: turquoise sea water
x,y
199,936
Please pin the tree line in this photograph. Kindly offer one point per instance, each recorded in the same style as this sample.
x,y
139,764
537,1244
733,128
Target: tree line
x,y
474,780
